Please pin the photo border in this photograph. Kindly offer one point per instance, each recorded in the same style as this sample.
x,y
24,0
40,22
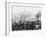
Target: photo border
x,y
7,14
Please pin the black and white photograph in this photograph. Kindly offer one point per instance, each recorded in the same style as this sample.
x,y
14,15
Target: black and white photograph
x,y
26,18
23,18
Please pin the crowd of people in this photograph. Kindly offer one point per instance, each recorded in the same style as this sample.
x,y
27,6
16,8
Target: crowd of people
x,y
25,22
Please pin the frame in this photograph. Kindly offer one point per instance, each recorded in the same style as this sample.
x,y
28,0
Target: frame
x,y
8,8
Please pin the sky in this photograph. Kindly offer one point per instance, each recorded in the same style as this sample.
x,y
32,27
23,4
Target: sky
x,y
25,10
